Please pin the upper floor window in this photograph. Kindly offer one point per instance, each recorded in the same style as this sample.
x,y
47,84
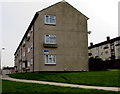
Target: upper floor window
x,y
118,41
23,54
28,50
106,46
101,46
28,36
96,48
23,43
50,39
31,30
96,54
101,53
49,19
106,52
31,45
118,50
31,61
28,64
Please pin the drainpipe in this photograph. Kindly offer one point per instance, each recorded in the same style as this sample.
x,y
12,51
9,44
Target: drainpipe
x,y
33,47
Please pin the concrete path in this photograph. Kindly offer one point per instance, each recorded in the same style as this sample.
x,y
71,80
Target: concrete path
x,y
5,77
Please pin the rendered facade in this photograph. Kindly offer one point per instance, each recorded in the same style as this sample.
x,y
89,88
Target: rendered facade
x,y
56,40
107,50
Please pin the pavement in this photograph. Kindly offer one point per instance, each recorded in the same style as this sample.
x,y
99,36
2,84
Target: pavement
x,y
5,77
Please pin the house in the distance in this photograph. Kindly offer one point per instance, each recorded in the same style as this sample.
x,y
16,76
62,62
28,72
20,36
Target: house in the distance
x,y
8,70
107,50
56,40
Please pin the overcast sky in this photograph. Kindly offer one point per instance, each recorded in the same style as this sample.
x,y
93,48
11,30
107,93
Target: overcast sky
x,y
16,15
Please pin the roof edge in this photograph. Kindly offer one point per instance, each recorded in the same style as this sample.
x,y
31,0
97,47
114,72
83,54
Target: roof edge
x,y
104,42
33,20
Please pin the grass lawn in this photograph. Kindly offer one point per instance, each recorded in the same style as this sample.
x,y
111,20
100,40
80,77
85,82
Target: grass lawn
x,y
98,78
10,87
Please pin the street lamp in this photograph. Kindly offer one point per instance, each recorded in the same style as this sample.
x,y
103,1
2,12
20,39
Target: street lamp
x,y
0,59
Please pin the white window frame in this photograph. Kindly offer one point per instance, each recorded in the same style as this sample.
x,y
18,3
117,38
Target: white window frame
x,y
23,65
50,59
20,56
28,63
96,48
23,42
50,39
118,49
31,61
20,67
31,45
28,35
31,29
23,54
50,19
106,52
28,50
118,41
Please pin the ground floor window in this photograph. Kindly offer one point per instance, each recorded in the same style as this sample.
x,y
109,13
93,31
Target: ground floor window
x,y
50,59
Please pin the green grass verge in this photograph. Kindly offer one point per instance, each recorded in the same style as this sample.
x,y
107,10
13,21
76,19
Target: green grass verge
x,y
98,78
10,87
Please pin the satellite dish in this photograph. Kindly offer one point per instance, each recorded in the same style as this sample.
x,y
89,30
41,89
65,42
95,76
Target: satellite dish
x,y
89,32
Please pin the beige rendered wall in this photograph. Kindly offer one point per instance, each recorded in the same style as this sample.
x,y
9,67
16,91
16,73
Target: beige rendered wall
x,y
117,53
72,39
105,56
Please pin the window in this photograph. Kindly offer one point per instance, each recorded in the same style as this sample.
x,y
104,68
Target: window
x,y
23,65
28,64
118,57
28,50
23,54
106,46
101,46
96,54
31,62
50,59
96,48
112,46
118,41
50,39
118,50
50,19
20,67
31,29
31,45
106,52
28,35
23,43
101,53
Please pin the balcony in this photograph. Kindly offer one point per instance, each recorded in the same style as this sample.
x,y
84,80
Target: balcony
x,y
50,45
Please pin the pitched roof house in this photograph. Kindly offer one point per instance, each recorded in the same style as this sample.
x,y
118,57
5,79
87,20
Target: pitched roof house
x,y
56,40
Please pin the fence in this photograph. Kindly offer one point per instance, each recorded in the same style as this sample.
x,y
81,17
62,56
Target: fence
x,y
98,65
